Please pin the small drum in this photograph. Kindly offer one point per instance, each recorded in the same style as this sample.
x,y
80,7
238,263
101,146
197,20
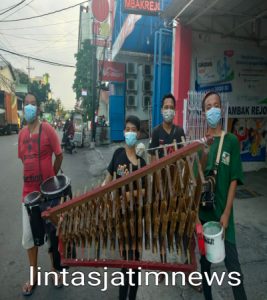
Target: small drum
x,y
32,202
56,187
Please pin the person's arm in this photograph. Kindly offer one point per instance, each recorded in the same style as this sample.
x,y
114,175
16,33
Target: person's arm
x,y
153,144
236,177
57,163
55,145
107,179
110,169
229,204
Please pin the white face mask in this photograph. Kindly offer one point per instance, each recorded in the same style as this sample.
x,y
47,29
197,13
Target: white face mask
x,y
168,115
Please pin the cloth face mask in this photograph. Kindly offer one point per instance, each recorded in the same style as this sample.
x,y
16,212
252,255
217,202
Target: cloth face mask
x,y
168,115
130,138
30,113
213,116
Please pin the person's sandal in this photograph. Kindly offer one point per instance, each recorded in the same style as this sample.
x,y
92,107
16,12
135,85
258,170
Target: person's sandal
x,y
28,289
197,288
161,278
60,281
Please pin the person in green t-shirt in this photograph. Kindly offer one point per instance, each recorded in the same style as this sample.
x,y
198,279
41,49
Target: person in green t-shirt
x,y
229,175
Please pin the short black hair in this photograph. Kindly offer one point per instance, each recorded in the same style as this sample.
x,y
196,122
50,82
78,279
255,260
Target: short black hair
x,y
207,95
134,120
168,96
34,95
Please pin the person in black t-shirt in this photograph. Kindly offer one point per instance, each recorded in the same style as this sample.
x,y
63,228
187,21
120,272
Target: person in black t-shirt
x,y
120,164
124,156
165,133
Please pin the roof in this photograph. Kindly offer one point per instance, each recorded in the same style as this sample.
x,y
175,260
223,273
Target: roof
x,y
243,19
6,64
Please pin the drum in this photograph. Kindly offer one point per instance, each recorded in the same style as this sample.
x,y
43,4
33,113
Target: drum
x,y
32,203
56,187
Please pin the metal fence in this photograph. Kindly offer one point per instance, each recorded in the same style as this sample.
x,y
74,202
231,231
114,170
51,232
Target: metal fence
x,y
195,124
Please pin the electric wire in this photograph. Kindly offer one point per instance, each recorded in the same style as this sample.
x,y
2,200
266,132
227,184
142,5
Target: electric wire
x,y
43,15
32,27
38,59
12,7
20,8
6,44
34,39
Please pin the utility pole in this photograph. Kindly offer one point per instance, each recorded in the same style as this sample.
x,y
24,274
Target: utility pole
x,y
94,81
29,68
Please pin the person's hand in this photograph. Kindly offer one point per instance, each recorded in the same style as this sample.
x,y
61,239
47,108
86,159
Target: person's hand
x,y
199,229
224,222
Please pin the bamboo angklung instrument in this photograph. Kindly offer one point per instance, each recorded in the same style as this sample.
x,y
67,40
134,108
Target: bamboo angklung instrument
x,y
153,208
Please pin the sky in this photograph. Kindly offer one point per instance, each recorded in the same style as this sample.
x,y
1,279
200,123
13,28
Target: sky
x,y
53,37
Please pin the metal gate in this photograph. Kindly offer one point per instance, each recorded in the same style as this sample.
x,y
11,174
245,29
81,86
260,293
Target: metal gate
x,y
195,124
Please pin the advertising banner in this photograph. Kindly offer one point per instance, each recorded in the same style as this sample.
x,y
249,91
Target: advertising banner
x,y
141,7
252,136
111,71
241,74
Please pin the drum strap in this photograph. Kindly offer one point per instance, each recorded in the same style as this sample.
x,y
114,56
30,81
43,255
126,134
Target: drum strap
x,y
39,153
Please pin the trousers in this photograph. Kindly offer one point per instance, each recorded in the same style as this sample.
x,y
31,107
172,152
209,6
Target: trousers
x,y
232,265
126,288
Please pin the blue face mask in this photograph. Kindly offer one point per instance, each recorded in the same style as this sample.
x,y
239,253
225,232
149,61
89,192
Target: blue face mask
x,y
130,138
213,116
30,112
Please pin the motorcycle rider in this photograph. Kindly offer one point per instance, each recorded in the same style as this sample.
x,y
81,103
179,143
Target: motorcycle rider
x,y
68,132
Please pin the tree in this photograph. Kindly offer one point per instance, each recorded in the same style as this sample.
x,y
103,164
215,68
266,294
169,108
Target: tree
x,y
83,75
22,77
40,90
51,107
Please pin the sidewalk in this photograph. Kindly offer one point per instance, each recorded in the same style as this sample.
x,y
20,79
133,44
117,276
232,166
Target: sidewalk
x,y
251,233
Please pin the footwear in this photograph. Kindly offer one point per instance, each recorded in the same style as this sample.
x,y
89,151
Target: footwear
x,y
28,289
60,281
198,288
161,278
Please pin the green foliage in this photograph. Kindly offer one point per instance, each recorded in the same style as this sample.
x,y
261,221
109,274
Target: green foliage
x,y
40,90
51,106
83,75
22,77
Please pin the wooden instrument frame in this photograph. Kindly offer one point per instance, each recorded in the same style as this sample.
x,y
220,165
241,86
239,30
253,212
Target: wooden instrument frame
x,y
56,214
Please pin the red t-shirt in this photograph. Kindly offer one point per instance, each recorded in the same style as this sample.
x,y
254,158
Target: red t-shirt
x,y
28,153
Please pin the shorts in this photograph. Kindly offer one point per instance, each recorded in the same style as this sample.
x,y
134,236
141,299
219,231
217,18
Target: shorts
x,y
27,238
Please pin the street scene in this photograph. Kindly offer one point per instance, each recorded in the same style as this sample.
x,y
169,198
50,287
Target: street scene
x,y
85,168
133,149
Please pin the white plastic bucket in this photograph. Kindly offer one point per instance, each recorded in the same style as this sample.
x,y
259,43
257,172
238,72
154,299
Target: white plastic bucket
x,y
214,243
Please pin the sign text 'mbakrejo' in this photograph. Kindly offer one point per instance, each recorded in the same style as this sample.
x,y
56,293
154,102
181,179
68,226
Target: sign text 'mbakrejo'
x,y
142,7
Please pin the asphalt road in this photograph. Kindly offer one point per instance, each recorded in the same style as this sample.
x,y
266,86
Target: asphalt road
x,y
85,168
14,263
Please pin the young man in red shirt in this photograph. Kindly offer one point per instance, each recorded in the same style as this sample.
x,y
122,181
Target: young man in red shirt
x,y
37,166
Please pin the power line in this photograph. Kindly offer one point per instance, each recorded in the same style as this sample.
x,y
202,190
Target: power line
x,y
31,39
18,10
6,8
9,46
46,14
2,57
38,59
31,27
12,7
